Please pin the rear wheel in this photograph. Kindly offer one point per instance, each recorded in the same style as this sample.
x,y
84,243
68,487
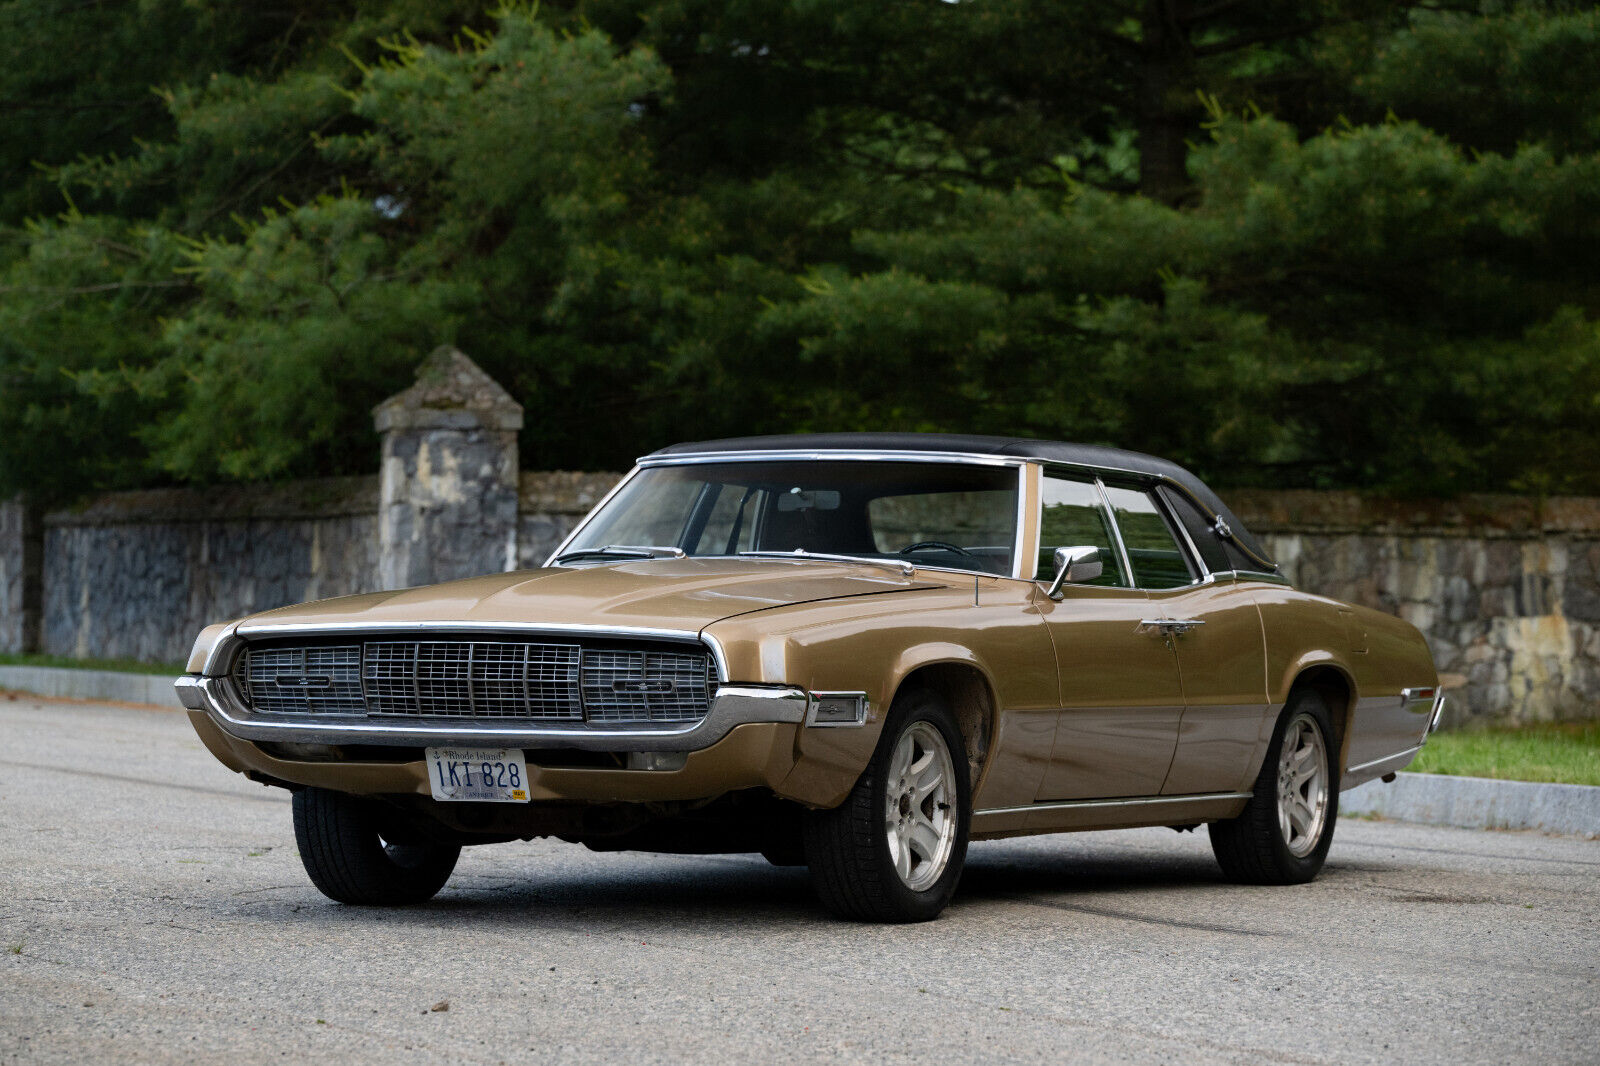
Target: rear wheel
x,y
1283,835
893,851
349,858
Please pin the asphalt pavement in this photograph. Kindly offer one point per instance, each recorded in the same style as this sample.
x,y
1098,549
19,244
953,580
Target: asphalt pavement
x,y
153,909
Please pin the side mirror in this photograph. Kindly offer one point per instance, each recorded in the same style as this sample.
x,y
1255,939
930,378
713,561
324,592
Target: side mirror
x,y
1075,566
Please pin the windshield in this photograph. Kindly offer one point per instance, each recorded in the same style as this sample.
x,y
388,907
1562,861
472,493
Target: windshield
x,y
961,517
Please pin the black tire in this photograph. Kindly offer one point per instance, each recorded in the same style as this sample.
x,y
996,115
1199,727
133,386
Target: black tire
x,y
344,850
1253,848
848,848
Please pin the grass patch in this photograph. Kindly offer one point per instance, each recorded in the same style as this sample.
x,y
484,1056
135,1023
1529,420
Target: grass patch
x,y
1565,753
131,666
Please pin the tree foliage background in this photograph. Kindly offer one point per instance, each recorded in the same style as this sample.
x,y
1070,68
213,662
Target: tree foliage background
x,y
1308,243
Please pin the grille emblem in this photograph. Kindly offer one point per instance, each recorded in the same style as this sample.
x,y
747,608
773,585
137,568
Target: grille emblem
x,y
305,684
657,686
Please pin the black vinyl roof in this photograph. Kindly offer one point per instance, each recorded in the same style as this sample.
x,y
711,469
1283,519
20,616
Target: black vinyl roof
x,y
1093,456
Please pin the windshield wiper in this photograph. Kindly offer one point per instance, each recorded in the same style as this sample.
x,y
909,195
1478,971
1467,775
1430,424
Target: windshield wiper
x,y
899,565
624,551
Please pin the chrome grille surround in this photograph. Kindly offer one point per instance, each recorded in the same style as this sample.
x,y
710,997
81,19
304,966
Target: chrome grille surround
x,y
550,682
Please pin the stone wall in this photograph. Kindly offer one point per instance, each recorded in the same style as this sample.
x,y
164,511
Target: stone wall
x,y
136,575
1506,589
549,505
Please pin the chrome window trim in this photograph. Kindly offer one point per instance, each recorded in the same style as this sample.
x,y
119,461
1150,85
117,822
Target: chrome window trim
x,y
1044,472
733,705
1249,575
1187,541
221,657
986,458
1171,524
1020,541
1116,532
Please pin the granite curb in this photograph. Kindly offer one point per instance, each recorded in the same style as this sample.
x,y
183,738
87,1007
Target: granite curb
x,y
1479,803
73,684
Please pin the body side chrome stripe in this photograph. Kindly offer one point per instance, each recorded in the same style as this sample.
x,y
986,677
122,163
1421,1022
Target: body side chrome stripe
x,y
1377,764
1130,801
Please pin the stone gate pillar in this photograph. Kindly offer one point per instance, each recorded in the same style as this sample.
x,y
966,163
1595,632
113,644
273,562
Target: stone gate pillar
x,y
21,592
448,496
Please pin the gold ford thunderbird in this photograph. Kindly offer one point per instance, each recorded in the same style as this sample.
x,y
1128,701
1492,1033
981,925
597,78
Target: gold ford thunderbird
x,y
852,652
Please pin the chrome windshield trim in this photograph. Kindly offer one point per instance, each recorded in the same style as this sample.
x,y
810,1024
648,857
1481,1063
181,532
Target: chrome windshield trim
x,y
734,705
586,519
222,654
842,454
957,458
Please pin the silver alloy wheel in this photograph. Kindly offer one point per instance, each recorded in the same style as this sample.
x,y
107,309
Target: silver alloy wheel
x,y
1302,785
919,806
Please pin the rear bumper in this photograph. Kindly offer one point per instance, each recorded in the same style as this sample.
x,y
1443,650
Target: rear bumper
x,y
733,706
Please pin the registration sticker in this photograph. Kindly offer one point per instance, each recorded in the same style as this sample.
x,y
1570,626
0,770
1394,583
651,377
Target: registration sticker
x,y
478,775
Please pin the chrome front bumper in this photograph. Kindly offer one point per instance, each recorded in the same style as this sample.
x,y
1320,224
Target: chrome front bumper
x,y
733,705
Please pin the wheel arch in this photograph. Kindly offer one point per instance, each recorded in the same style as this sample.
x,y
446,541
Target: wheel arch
x,y
1338,689
971,699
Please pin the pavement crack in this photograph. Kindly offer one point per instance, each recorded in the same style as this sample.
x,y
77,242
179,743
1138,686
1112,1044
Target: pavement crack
x,y
124,779
1106,912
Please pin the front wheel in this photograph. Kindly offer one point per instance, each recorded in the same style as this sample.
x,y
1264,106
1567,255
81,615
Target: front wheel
x,y
1284,832
344,849
893,851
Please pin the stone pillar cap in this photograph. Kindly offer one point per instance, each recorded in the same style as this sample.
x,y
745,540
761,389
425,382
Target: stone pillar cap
x,y
452,392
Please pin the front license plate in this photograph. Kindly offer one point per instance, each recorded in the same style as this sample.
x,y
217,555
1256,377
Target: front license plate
x,y
478,775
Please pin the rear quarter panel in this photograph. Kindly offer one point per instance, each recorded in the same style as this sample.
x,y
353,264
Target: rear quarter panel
x,y
1377,655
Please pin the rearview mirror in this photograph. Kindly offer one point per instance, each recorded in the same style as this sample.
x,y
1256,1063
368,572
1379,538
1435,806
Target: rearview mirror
x,y
1075,566
811,500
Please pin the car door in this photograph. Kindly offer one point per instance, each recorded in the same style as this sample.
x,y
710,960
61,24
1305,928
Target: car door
x,y
1214,628
1121,694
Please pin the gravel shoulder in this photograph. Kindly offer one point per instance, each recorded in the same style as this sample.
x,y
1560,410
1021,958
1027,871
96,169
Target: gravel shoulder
x,y
159,913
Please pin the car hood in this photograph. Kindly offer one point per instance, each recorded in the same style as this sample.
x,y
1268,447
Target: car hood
x,y
670,594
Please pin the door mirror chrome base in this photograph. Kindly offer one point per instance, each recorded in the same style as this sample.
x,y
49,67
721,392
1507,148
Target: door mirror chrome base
x,y
1075,566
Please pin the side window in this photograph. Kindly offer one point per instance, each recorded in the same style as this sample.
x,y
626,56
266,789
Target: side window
x,y
1073,514
1153,552
1212,548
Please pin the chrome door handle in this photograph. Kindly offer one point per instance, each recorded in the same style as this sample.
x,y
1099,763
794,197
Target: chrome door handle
x,y
1169,626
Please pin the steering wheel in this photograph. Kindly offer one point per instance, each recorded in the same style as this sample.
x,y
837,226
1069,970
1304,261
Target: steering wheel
x,y
942,545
